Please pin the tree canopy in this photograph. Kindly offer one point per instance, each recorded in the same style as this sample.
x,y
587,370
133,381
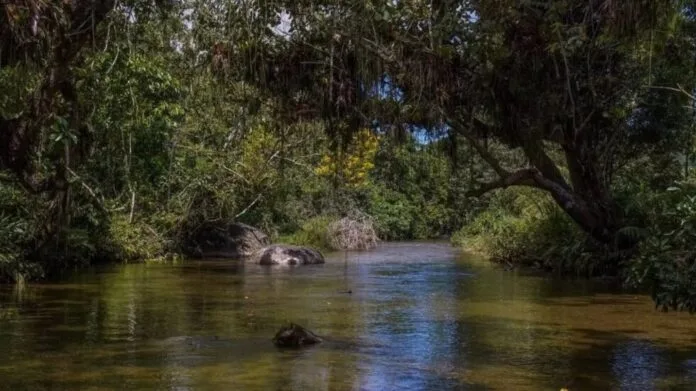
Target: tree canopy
x,y
564,82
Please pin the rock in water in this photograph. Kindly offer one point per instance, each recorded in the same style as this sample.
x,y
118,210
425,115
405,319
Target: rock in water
x,y
288,255
295,336
226,240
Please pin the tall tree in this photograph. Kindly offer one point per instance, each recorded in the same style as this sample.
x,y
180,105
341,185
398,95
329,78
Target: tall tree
x,y
49,38
49,133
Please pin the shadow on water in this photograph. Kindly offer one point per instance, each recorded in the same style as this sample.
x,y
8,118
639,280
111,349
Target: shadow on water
x,y
420,316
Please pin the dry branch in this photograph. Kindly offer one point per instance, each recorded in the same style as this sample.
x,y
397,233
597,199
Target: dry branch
x,y
354,232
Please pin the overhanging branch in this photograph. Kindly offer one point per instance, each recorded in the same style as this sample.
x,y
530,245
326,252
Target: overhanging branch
x,y
480,149
523,177
536,154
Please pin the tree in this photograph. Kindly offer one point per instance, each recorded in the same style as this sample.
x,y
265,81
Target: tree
x,y
560,81
53,126
48,38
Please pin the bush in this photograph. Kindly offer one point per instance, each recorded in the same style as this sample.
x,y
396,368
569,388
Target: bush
x,y
355,232
525,227
17,232
12,232
136,240
393,213
313,233
666,259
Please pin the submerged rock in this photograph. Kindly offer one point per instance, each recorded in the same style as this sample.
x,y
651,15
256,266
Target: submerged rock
x,y
279,254
231,240
295,336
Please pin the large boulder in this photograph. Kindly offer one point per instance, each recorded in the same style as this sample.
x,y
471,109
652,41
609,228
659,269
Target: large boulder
x,y
279,254
233,240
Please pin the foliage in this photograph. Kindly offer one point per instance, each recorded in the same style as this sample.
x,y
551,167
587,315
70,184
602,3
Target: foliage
x,y
314,233
393,212
417,190
666,261
352,164
471,72
353,232
15,233
524,227
135,240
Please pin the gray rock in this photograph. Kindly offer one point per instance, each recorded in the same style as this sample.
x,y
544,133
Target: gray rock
x,y
279,254
247,239
232,240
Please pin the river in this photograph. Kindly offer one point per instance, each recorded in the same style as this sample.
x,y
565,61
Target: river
x,y
419,316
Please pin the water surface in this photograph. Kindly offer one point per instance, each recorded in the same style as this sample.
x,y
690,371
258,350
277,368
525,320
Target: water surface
x,y
420,316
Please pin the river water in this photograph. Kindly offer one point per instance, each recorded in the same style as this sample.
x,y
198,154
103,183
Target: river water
x,y
420,316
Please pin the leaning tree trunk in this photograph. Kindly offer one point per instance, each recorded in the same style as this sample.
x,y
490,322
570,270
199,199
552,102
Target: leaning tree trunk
x,y
586,199
597,217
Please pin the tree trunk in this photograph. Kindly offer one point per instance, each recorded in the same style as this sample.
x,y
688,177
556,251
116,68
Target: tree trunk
x,y
593,217
588,201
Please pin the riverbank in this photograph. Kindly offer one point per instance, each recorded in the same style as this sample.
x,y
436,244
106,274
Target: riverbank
x,y
127,241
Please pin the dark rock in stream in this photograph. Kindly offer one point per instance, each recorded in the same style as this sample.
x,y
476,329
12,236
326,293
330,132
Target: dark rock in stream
x,y
225,240
279,254
295,336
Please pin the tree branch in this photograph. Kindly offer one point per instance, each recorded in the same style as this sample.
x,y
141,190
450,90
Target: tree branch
x,y
569,87
523,177
679,89
258,197
480,149
100,201
531,177
534,150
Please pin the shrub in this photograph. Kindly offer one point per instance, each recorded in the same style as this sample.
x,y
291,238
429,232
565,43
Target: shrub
x,y
666,260
12,231
354,232
393,213
17,231
525,227
313,233
133,240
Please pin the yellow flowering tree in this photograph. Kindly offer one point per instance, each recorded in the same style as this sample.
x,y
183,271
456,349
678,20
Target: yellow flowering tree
x,y
353,164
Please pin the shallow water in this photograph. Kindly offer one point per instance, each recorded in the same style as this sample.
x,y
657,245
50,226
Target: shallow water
x,y
420,316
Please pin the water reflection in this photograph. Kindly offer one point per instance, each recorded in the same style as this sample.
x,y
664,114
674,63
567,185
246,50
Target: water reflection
x,y
413,324
420,316
637,365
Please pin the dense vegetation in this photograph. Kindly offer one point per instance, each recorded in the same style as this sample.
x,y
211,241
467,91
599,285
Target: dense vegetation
x,y
557,133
